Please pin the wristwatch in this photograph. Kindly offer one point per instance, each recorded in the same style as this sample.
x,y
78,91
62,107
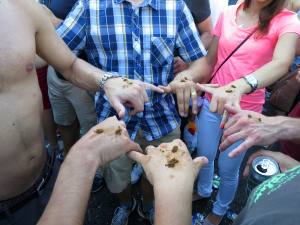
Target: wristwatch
x,y
252,81
106,76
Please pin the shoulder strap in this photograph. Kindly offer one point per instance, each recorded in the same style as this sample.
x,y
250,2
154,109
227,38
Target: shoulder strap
x,y
225,60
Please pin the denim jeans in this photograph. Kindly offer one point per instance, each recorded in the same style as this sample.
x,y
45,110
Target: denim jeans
x,y
209,134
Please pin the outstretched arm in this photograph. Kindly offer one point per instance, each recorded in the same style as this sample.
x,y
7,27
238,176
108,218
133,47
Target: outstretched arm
x,y
171,171
52,49
103,143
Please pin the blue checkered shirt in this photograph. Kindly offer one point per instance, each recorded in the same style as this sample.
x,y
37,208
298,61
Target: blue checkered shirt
x,y
137,42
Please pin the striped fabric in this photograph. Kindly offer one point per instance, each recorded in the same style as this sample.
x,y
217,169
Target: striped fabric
x,y
137,42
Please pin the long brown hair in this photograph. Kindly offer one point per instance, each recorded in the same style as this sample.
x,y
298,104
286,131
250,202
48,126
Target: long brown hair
x,y
267,13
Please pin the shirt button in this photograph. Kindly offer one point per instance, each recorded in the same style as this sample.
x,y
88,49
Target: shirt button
x,y
136,39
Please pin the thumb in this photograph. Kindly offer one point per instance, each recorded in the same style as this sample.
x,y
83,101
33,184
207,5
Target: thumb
x,y
119,107
205,88
167,89
199,162
137,156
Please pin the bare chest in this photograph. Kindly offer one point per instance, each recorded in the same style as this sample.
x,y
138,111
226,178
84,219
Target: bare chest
x,y
17,45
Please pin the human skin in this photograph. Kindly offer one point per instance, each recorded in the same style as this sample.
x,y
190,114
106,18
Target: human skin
x,y
27,31
103,143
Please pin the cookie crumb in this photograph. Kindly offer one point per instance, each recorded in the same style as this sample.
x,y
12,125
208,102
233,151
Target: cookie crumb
x,y
99,131
171,163
249,116
175,149
118,131
228,91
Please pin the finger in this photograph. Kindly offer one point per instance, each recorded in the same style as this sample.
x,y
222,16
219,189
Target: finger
x,y
221,103
153,88
180,101
137,156
132,146
229,140
248,143
232,109
213,105
232,120
145,96
199,162
166,89
186,95
224,119
249,162
194,101
138,106
206,88
118,107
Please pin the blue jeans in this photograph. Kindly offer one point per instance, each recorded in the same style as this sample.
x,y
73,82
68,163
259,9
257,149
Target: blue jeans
x,y
209,134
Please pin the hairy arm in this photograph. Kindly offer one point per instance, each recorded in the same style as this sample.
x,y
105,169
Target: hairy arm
x,y
52,49
69,199
71,191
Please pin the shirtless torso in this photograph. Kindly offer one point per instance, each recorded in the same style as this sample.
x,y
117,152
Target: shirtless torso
x,y
21,149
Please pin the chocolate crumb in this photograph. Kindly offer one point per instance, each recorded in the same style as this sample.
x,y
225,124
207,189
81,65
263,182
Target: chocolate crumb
x,y
99,131
171,163
182,81
186,78
175,149
259,120
233,86
118,131
249,116
130,82
228,91
125,79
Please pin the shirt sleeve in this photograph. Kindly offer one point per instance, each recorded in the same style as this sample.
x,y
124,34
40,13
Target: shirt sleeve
x,y
288,24
200,9
218,28
188,40
73,29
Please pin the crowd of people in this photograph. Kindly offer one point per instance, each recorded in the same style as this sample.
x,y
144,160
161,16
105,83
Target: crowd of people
x,y
116,81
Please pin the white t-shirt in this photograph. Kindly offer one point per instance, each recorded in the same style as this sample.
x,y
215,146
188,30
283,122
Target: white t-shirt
x,y
216,7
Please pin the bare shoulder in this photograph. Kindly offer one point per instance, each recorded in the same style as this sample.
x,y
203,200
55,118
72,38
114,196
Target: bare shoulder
x,y
32,8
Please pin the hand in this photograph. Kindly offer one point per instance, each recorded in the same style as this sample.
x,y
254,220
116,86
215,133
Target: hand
x,y
252,127
106,141
185,89
169,163
228,94
123,92
285,162
179,65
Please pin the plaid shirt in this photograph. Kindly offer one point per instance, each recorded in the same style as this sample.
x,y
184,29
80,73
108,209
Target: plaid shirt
x,y
138,43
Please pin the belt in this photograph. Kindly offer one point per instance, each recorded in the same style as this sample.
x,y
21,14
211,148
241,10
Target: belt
x,y
12,204
59,75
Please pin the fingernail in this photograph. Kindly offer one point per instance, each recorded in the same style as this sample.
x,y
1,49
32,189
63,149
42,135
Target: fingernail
x,y
222,125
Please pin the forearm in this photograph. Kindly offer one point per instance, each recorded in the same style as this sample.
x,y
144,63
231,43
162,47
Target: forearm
x,y
289,129
173,205
266,75
70,195
83,75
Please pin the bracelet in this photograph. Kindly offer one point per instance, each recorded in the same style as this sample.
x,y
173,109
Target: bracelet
x,y
106,76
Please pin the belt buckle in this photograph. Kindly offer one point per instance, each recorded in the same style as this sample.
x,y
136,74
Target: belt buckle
x,y
40,185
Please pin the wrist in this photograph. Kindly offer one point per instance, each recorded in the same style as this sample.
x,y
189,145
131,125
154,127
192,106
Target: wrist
x,y
241,85
105,77
286,128
84,159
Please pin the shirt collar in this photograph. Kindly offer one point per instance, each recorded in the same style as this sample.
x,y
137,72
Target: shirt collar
x,y
152,3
